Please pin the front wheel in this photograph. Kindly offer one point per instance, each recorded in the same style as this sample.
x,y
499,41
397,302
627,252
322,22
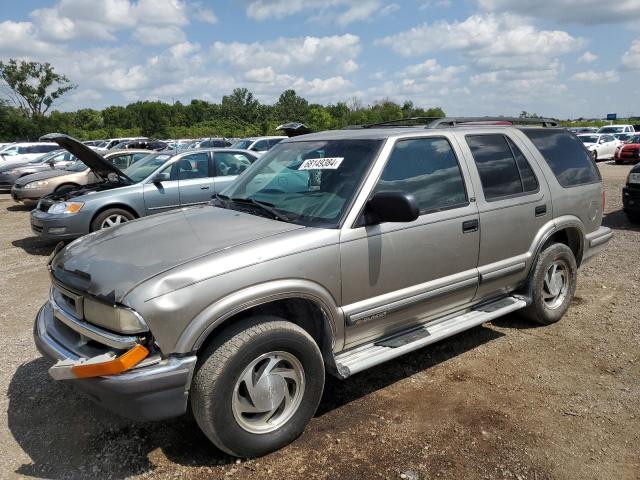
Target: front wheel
x,y
111,218
594,155
257,386
553,284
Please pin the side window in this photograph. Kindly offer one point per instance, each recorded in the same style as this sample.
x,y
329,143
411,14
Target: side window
x,y
427,168
261,146
529,180
565,154
496,165
48,148
230,163
121,161
274,141
192,166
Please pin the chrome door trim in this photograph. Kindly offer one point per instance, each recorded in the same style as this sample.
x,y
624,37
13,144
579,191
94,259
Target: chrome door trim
x,y
380,306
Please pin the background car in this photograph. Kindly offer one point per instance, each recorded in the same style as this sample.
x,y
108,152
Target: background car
x,y
157,183
600,146
259,145
210,143
24,152
631,195
628,152
579,130
58,159
32,187
156,145
112,142
617,129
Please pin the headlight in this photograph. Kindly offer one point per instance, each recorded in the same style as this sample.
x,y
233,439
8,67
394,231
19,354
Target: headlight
x,y
38,184
634,178
117,319
65,207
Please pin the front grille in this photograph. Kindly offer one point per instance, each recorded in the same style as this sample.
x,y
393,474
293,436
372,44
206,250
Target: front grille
x,y
69,302
37,228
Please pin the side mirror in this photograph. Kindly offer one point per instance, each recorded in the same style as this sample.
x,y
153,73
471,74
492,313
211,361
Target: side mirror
x,y
391,207
158,179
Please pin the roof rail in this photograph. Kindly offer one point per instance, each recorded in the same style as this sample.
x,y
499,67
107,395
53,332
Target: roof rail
x,y
439,122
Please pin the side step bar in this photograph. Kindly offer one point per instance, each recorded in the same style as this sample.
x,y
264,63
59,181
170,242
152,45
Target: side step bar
x,y
375,353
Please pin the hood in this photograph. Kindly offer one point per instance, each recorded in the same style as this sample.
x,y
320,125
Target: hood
x,y
109,263
34,177
96,162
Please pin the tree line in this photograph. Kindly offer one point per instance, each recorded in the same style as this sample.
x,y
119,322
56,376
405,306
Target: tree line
x,y
31,89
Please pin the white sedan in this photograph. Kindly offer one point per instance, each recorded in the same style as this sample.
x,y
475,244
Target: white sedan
x,y
601,146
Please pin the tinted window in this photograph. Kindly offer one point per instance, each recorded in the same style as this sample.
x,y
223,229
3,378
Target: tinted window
x,y
231,163
274,141
428,169
565,155
497,168
192,166
529,180
261,146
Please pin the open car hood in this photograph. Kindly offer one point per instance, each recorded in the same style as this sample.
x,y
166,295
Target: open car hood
x,y
92,159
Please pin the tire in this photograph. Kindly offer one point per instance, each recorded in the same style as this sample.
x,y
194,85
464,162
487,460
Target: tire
x,y
218,393
633,217
111,217
544,308
65,187
594,155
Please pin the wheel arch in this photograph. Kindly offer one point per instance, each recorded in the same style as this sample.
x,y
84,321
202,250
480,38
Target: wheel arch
x,y
302,302
121,206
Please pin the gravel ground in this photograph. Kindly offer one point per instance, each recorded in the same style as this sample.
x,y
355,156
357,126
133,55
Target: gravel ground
x,y
504,400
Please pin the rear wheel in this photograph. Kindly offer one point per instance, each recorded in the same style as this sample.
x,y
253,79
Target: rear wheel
x,y
553,284
111,218
257,386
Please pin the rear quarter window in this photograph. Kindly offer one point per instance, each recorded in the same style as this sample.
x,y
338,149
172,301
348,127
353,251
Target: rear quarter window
x,y
565,155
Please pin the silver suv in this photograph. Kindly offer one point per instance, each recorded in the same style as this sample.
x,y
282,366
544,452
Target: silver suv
x,y
332,253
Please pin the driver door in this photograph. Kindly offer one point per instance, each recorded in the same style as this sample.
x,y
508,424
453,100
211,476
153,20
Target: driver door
x,y
398,274
164,194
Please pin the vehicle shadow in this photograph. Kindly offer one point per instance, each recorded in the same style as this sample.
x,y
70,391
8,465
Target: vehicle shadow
x,y
20,207
618,220
35,245
66,435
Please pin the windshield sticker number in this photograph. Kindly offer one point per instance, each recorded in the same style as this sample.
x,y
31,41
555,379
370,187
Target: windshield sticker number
x,y
329,163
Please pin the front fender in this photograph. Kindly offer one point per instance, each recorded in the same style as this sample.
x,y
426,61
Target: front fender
x,y
217,313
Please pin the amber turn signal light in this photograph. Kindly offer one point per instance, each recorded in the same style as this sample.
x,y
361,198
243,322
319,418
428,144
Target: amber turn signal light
x,y
120,364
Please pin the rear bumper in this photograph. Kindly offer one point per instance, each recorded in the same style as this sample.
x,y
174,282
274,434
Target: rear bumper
x,y
631,200
152,392
596,242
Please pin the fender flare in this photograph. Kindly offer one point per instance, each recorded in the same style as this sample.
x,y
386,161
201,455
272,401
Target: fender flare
x,y
194,335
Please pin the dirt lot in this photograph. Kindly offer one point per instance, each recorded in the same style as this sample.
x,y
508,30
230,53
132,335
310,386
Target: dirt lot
x,y
505,400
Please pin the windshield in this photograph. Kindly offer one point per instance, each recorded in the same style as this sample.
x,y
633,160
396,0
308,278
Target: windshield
x,y
611,130
589,138
145,166
45,157
242,144
310,183
634,139
77,166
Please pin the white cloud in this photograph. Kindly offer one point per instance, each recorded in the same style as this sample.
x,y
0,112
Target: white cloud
x,y
587,12
431,71
19,38
483,36
335,53
154,36
587,57
631,58
591,76
343,12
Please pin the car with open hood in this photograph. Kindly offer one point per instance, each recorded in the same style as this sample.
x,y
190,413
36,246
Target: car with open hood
x,y
629,151
158,182
91,168
334,252
56,160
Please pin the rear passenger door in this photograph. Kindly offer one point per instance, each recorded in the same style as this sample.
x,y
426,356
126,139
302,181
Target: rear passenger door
x,y
195,178
514,203
398,274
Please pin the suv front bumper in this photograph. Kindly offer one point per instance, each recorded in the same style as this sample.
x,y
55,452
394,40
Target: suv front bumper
x,y
151,392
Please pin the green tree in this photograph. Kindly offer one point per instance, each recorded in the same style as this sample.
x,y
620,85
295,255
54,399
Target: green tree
x,y
290,107
33,86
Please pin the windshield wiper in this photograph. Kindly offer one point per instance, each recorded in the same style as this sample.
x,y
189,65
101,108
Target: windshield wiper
x,y
264,206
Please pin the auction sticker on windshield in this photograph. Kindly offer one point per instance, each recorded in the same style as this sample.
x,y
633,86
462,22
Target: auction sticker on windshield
x,y
329,163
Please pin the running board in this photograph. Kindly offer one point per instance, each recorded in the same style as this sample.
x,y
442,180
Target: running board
x,y
375,353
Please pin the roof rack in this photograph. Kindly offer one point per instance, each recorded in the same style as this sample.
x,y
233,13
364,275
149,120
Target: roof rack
x,y
439,122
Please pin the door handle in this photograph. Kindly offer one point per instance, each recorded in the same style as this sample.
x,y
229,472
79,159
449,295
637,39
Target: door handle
x,y
206,187
470,226
541,210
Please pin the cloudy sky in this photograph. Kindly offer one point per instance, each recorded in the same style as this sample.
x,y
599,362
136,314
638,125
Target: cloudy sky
x,y
554,57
